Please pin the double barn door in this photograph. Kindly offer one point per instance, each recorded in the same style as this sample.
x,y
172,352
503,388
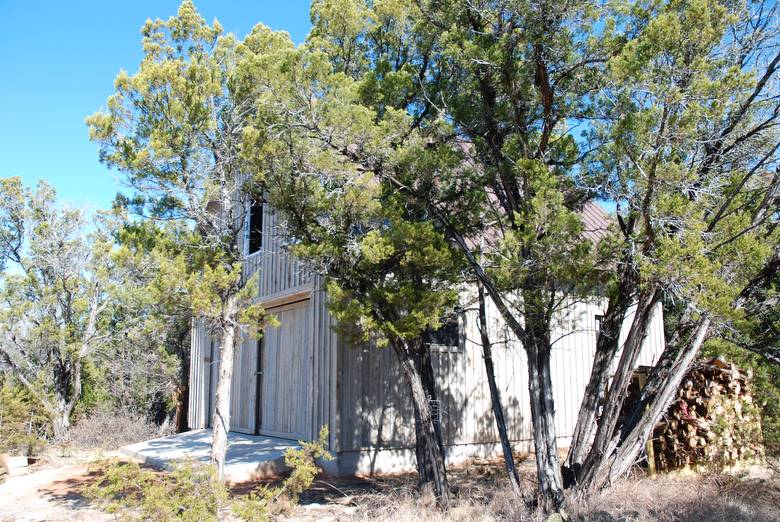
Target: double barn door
x,y
272,378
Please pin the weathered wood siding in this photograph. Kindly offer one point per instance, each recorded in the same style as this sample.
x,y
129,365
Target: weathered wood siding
x,y
298,385
324,392
375,409
312,378
243,395
278,272
200,363
287,364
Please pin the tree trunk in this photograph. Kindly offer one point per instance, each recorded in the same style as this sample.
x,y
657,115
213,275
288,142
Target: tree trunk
x,y
495,397
182,408
625,446
607,347
67,393
221,419
183,394
60,423
618,389
548,466
425,369
430,459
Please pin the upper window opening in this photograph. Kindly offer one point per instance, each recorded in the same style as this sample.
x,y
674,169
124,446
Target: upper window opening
x,y
255,226
446,338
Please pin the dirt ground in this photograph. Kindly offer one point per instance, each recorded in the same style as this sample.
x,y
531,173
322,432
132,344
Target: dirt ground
x,y
50,491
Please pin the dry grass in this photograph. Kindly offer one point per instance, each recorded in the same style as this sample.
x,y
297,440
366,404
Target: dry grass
x,y
486,497
111,430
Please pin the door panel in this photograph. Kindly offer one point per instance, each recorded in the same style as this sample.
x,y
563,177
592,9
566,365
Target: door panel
x,y
244,393
287,373
213,375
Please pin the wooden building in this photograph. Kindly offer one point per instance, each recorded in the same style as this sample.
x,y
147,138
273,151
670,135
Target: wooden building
x,y
302,376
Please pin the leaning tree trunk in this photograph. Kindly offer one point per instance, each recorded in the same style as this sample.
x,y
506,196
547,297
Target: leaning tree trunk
x,y
495,396
548,467
618,389
430,459
607,348
625,446
221,419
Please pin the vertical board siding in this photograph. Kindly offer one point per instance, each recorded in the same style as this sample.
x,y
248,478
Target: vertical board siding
x,y
286,405
199,376
324,361
314,377
278,272
243,395
376,410
308,352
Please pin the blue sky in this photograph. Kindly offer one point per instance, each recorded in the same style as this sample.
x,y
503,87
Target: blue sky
x,y
59,60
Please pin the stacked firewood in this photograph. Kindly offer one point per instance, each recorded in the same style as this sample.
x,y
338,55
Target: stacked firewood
x,y
713,421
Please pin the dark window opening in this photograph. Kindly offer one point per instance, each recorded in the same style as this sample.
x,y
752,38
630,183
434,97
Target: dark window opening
x,y
599,320
446,338
255,226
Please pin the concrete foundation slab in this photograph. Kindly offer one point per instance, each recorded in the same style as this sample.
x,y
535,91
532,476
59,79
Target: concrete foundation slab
x,y
249,457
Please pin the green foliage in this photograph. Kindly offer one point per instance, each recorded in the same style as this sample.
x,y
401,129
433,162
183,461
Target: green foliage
x,y
303,466
24,425
95,392
682,191
175,129
192,491
303,463
59,298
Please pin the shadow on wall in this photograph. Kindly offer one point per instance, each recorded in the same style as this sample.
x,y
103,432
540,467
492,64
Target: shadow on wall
x,y
376,410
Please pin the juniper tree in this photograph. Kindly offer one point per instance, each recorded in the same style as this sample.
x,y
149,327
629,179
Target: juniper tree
x,y
175,129
58,295
419,87
149,369
471,111
389,273
689,155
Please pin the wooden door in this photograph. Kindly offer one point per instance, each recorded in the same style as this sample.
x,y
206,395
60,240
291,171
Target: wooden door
x,y
243,394
213,376
286,384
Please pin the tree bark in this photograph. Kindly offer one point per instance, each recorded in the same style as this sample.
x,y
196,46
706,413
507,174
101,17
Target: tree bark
x,y
623,449
548,467
424,366
607,347
68,392
616,395
221,419
60,424
430,461
183,393
495,396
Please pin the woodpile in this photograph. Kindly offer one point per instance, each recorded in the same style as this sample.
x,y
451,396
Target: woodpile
x,y
713,422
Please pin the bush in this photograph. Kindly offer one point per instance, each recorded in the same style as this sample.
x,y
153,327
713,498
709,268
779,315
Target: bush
x,y
103,429
24,426
192,491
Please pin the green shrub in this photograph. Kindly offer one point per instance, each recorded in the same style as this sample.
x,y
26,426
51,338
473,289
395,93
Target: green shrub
x,y
24,426
192,491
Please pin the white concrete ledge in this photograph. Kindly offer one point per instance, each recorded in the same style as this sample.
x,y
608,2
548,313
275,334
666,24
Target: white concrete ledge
x,y
248,457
